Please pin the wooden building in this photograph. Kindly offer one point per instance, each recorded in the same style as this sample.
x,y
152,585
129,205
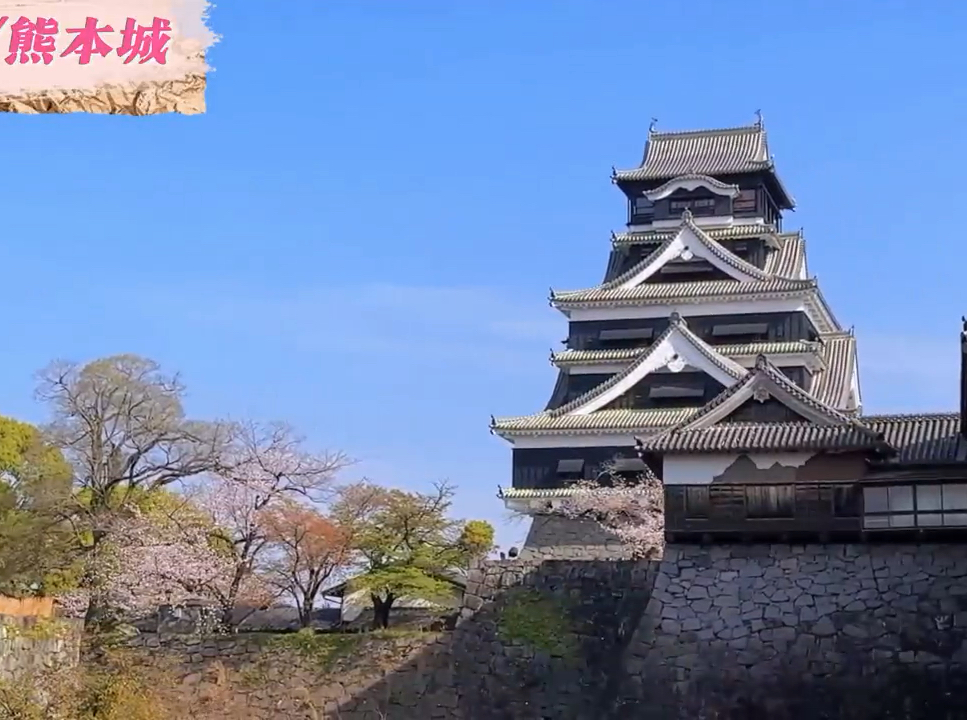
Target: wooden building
x,y
709,357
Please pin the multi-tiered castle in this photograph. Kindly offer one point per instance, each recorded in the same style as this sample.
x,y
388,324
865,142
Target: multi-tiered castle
x,y
710,358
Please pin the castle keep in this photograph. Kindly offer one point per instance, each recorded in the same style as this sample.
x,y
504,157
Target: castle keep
x,y
708,357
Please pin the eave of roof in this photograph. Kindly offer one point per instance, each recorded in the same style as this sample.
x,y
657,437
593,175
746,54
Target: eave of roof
x,y
566,358
716,232
832,384
738,437
602,421
686,292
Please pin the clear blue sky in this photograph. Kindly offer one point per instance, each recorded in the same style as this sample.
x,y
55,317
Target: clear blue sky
x,y
359,236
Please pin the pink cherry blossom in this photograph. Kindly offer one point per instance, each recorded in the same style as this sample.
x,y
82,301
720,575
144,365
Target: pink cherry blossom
x,y
633,511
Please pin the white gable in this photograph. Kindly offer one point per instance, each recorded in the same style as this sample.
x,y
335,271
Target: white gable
x,y
687,246
674,352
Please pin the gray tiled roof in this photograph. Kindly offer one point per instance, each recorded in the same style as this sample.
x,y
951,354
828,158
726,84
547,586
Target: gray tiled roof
x,y
535,493
706,152
762,437
611,421
722,232
684,292
789,260
589,357
832,384
922,438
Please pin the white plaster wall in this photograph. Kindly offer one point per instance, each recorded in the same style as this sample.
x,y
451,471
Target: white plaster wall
x,y
701,469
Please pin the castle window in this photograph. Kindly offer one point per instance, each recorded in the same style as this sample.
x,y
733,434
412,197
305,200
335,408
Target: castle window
x,y
906,506
745,202
628,465
659,392
626,337
696,203
770,501
570,469
934,503
643,206
696,502
687,267
750,330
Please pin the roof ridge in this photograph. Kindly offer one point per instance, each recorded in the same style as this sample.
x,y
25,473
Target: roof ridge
x,y
896,417
732,130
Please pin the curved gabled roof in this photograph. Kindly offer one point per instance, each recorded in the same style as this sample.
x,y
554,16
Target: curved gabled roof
x,y
723,369
821,424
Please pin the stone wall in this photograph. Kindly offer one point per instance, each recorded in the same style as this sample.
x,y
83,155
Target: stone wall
x,y
557,538
743,631
786,631
536,640
28,644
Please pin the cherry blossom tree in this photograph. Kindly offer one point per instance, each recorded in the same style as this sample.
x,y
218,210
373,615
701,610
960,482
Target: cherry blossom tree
x,y
267,466
120,423
633,510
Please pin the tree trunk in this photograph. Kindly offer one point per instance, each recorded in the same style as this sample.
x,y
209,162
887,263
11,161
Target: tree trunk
x,y
94,616
305,614
381,609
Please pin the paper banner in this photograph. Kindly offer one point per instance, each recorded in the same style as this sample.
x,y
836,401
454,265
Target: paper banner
x,y
125,57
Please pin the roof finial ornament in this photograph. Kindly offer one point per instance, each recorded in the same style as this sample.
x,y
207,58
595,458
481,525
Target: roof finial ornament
x,y
614,172
758,119
675,318
760,362
493,421
963,319
686,215
652,126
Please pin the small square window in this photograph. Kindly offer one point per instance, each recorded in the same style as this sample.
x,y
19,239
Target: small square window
x,y
876,500
955,497
901,498
625,465
570,469
901,521
929,497
955,519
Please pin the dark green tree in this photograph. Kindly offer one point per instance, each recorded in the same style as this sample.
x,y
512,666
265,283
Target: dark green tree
x,y
406,544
